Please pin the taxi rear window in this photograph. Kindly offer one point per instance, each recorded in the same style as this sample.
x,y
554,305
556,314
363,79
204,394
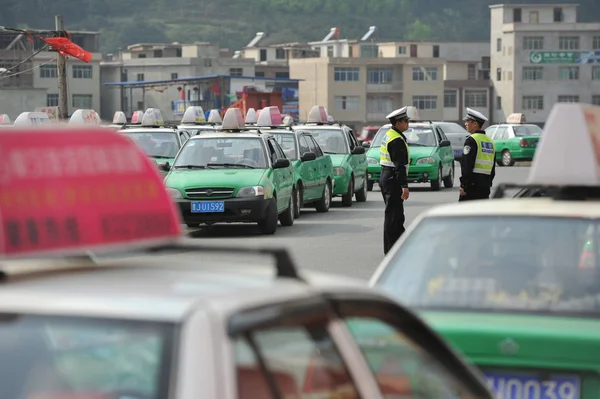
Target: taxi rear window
x,y
81,356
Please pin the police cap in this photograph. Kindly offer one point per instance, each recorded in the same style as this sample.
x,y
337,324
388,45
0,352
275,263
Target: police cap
x,y
473,115
398,115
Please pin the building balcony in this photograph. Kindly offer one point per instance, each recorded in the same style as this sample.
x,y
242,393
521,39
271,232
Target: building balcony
x,y
385,88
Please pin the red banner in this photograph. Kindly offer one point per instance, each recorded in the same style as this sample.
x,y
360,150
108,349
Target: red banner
x,y
77,190
66,47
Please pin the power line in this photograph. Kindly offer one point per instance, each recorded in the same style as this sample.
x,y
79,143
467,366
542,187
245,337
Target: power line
x,y
28,70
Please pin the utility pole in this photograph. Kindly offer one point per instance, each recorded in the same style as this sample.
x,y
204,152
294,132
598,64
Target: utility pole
x,y
61,69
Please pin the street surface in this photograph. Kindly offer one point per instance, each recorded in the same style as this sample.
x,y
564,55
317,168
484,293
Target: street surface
x,y
345,241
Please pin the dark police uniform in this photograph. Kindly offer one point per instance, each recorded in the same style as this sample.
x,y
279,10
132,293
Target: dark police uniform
x,y
478,166
394,159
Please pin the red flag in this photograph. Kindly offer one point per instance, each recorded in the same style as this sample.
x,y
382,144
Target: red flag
x,y
66,47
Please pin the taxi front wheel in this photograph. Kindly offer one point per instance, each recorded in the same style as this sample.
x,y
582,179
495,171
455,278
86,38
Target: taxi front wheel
x,y
268,225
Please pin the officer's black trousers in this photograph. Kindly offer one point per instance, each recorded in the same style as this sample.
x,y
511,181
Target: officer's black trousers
x,y
475,193
393,225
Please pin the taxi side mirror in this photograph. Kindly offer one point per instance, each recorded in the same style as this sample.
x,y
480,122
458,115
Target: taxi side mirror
x,y
281,163
358,150
445,143
366,144
164,167
308,156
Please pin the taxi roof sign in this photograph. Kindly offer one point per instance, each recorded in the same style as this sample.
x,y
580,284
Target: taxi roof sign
x,y
576,164
119,118
32,119
270,117
97,191
233,120
153,117
251,117
193,114
5,120
84,117
137,117
516,119
214,116
317,114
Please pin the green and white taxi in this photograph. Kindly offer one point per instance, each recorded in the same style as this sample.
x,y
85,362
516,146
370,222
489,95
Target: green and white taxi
x,y
348,157
233,175
157,141
194,121
514,284
313,169
515,140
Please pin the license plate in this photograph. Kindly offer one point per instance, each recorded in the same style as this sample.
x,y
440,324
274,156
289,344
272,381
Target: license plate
x,y
457,152
208,206
522,386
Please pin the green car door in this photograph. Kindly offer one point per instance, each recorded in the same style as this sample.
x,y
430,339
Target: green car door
x,y
359,165
283,178
324,173
445,153
310,170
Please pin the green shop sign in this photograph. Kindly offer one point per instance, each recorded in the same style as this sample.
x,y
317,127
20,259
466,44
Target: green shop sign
x,y
564,57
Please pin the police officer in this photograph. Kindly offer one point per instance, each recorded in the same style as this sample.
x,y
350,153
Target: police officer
x,y
394,160
478,166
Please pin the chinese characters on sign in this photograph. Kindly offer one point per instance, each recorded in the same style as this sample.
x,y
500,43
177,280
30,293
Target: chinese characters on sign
x,y
564,57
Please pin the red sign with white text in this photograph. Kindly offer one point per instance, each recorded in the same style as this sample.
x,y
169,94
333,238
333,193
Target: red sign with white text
x,y
77,190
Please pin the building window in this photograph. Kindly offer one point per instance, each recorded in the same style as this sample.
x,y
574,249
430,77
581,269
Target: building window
x,y
82,101
343,74
141,55
568,73
280,54
174,75
568,99
369,51
559,16
450,99
282,75
516,15
498,102
568,43
436,51
263,55
330,51
471,71
377,76
178,53
158,53
48,71
260,74
533,43
414,51
82,72
402,50
207,62
476,98
596,99
596,43
533,73
498,74
498,44
140,77
533,103
424,73
596,73
236,71
379,104
425,102
51,100
347,103
534,17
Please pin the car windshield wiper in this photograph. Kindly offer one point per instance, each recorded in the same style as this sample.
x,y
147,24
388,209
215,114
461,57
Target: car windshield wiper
x,y
190,167
232,165
331,153
159,157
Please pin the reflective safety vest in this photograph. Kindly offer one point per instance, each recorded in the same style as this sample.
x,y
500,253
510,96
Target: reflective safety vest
x,y
486,154
384,154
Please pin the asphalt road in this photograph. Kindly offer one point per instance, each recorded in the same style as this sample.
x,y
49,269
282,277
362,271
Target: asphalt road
x,y
345,241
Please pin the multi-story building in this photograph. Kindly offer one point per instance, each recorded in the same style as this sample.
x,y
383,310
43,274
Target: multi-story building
x,y
161,65
30,82
540,55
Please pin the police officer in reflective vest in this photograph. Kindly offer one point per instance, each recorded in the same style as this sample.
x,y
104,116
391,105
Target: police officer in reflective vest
x,y
394,159
478,166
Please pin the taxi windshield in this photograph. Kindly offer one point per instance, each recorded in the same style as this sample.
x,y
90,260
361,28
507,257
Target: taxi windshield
x,y
420,136
156,144
332,141
227,152
379,136
527,130
499,264
70,357
287,142
199,130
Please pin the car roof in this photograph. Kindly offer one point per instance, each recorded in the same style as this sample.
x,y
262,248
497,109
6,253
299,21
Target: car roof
x,y
317,127
515,124
221,134
148,129
543,207
159,288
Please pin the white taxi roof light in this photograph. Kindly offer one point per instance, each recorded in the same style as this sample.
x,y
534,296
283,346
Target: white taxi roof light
x,y
137,117
576,164
330,118
270,117
193,114
516,119
251,116
84,117
5,120
119,118
32,119
233,120
214,116
153,117
317,114
71,219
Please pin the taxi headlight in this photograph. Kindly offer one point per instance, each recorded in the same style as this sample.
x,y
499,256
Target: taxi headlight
x,y
426,160
251,191
373,161
339,171
174,193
